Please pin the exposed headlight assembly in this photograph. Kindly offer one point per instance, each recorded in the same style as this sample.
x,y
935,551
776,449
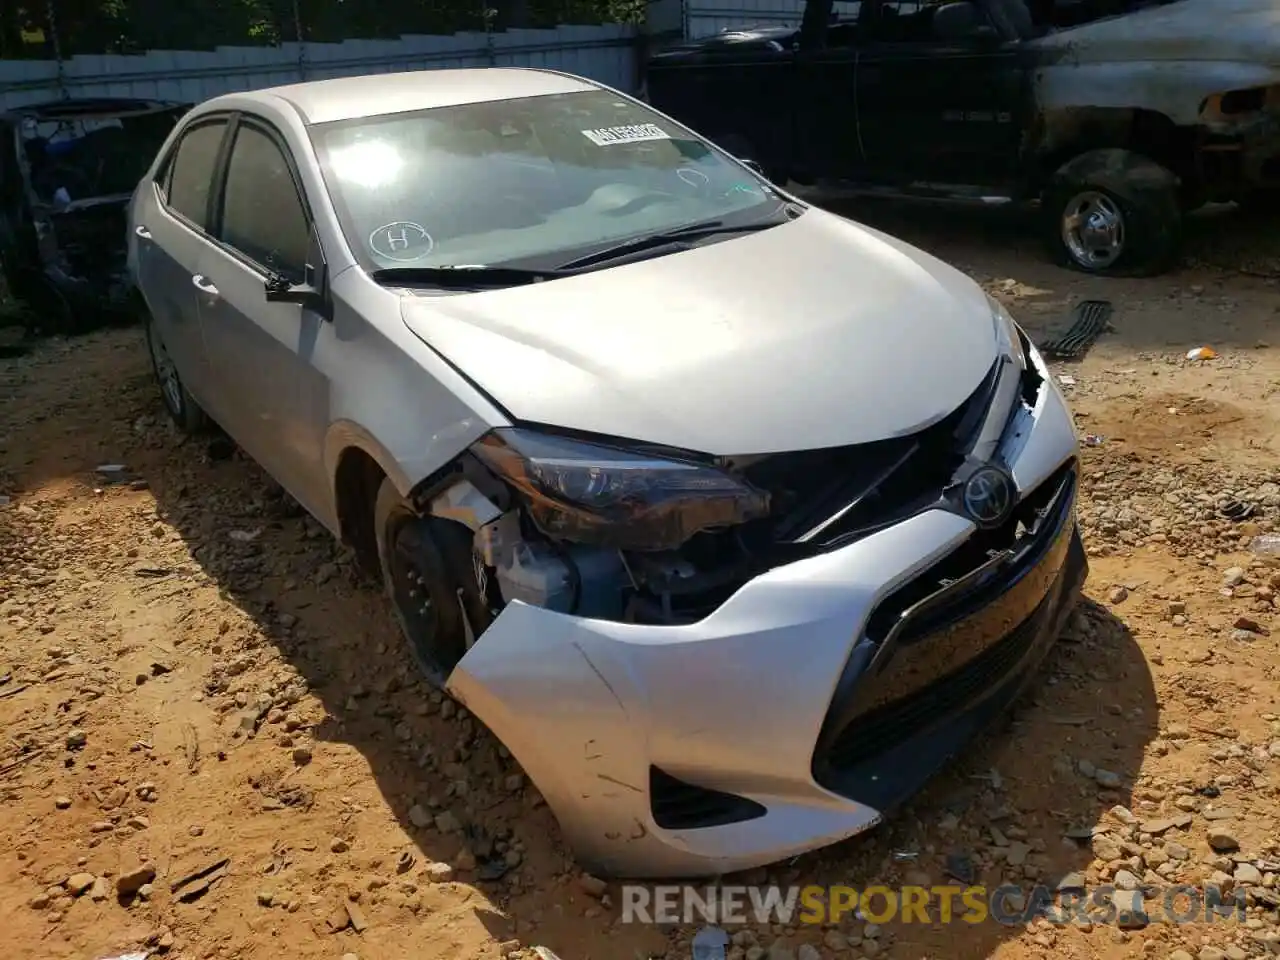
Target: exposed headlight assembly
x,y
599,495
1008,336
1012,360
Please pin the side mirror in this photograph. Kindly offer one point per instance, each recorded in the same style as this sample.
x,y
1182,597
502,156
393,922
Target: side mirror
x,y
313,292
962,20
281,290
753,164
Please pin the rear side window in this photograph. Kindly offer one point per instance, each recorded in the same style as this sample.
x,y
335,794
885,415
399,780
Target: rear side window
x,y
263,217
191,171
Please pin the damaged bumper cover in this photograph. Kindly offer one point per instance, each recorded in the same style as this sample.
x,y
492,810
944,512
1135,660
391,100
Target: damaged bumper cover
x,y
819,695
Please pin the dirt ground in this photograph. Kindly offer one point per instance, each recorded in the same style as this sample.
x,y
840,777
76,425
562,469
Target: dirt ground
x,y
201,707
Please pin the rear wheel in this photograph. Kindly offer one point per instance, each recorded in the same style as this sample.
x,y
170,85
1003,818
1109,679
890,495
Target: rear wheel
x,y
1113,212
182,407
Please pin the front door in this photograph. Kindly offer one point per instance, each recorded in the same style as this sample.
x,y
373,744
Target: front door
x,y
938,109
827,142
267,358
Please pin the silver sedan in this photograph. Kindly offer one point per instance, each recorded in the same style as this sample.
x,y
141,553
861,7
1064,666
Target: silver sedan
x,y
731,518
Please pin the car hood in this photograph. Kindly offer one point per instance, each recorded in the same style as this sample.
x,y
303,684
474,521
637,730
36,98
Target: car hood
x,y
1187,30
816,333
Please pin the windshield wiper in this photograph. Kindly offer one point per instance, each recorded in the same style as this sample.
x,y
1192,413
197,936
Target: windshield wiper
x,y
466,276
651,241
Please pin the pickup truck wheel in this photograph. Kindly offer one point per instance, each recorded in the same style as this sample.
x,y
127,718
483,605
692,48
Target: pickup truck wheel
x,y
1112,212
182,407
423,594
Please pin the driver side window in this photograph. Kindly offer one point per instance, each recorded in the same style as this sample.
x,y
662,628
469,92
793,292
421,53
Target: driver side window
x,y
263,216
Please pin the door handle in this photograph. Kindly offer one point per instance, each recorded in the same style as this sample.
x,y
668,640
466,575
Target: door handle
x,y
203,285
142,231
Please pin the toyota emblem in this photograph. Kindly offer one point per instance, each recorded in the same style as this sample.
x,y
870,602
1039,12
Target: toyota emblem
x,y
988,496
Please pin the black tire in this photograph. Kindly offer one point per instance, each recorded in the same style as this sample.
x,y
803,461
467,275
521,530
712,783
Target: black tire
x,y
1119,187
422,590
183,409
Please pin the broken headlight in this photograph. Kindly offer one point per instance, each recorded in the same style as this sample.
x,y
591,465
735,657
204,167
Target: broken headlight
x,y
607,496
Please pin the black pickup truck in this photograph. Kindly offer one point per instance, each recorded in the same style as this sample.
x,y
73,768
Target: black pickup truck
x,y
1114,117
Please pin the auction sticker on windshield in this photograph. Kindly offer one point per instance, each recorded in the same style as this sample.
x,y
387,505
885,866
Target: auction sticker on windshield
x,y
630,133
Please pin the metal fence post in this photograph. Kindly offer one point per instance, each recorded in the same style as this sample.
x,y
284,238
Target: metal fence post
x,y
490,14
302,40
52,16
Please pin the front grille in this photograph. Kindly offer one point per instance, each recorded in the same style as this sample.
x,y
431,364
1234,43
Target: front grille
x,y
828,496
677,805
970,573
939,641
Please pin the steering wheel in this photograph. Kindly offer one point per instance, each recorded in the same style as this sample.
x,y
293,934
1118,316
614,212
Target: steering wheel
x,y
700,184
694,179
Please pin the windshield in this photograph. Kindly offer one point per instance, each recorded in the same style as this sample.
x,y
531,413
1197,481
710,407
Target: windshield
x,y
87,156
524,181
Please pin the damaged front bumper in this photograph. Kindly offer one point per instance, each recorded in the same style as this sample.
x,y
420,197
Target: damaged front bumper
x,y
819,695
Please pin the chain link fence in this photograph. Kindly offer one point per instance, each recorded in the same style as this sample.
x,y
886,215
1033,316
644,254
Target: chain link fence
x,y
58,29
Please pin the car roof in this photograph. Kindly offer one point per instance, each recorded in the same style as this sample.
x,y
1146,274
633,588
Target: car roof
x,y
379,94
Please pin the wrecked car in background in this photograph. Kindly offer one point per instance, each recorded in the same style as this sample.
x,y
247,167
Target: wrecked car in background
x,y
1116,118
67,171
730,518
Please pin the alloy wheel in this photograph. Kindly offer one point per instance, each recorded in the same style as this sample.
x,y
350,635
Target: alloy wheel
x,y
166,372
1093,230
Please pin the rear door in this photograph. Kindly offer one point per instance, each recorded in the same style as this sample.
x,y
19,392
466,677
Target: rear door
x,y
171,220
267,359
935,109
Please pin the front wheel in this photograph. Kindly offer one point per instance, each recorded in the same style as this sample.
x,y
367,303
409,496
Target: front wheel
x,y
1113,212
182,407
424,593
